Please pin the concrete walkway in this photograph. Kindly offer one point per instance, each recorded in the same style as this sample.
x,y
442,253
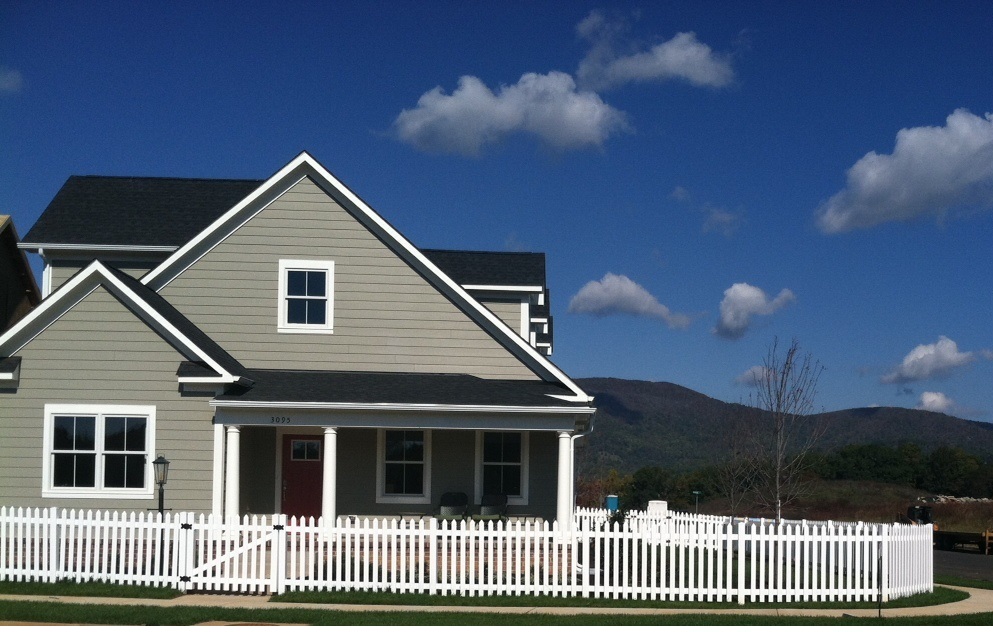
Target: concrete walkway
x,y
979,601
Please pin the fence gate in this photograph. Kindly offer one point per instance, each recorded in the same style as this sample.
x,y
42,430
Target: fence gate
x,y
237,557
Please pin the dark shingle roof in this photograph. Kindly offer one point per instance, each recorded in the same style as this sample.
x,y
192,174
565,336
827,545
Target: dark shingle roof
x,y
181,323
135,211
490,268
360,387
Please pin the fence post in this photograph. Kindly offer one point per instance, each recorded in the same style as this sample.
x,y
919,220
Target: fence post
x,y
277,580
740,533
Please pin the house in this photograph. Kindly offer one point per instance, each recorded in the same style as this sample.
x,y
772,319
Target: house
x,y
18,290
286,349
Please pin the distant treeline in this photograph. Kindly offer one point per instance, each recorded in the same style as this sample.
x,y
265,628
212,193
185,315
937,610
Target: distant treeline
x,y
945,470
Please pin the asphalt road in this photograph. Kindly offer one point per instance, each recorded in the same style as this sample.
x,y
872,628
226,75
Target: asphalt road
x,y
962,564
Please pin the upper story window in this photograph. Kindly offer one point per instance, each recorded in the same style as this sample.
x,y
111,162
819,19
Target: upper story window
x,y
98,451
306,296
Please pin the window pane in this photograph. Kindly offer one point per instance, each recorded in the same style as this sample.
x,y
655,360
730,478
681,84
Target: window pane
x,y
313,450
298,450
113,470
86,470
63,470
492,447
316,312
296,311
86,432
511,447
316,283
113,435
134,476
65,431
296,283
511,480
393,478
394,445
135,441
413,482
491,479
413,446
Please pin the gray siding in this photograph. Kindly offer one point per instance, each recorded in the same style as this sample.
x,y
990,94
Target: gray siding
x,y
386,316
63,270
101,353
509,311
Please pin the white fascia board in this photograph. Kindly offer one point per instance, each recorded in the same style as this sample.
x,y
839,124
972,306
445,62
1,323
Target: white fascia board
x,y
406,408
504,288
100,247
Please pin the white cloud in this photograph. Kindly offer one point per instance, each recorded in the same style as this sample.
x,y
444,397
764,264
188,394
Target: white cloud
x,y
682,57
10,80
720,221
935,402
743,301
617,294
548,106
929,361
932,170
753,376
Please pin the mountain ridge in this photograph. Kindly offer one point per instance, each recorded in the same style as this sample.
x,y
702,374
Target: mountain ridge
x,y
641,423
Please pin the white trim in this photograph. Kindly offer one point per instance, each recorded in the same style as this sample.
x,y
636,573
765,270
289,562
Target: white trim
x,y
400,499
450,408
503,288
287,265
525,466
46,279
100,411
101,247
525,317
217,472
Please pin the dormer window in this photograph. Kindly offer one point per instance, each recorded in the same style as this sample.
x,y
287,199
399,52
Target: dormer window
x,y
306,296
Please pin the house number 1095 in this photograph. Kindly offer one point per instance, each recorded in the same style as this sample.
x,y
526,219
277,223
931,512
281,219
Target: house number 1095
x,y
279,420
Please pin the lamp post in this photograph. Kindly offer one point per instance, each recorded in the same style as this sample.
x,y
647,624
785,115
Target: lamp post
x,y
696,495
161,465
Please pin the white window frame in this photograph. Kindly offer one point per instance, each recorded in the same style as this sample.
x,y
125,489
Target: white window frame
x,y
307,265
381,497
525,469
100,411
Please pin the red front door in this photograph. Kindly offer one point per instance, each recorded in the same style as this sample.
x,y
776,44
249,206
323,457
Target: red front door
x,y
303,459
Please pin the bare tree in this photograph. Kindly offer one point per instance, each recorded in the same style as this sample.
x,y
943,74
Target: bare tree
x,y
784,435
735,477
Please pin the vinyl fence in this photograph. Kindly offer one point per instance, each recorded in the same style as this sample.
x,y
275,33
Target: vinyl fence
x,y
661,556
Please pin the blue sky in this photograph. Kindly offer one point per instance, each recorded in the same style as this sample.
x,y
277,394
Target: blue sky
x,y
704,176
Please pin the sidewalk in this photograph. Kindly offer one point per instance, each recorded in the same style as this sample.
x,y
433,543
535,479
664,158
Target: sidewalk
x,y
979,601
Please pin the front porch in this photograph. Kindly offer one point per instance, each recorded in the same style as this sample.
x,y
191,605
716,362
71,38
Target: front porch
x,y
326,471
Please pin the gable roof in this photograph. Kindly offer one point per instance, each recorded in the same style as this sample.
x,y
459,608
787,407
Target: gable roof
x,y
148,306
140,213
303,167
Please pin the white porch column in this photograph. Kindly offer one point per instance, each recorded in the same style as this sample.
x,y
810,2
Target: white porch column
x,y
563,511
329,508
217,476
232,483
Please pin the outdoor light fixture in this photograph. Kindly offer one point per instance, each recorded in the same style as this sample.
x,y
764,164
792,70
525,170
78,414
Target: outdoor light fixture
x,y
161,465
696,495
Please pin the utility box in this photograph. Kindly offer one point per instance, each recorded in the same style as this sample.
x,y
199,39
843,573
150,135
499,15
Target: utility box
x,y
612,502
659,507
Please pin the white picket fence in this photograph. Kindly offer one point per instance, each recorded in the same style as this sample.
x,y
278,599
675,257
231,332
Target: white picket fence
x,y
661,556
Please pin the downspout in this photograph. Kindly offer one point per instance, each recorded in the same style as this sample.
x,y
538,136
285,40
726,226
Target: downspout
x,y
572,465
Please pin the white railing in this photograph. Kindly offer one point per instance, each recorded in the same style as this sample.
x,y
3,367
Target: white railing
x,y
653,556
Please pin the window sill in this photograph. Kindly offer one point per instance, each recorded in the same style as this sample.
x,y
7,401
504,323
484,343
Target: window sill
x,y
403,500
136,495
284,329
